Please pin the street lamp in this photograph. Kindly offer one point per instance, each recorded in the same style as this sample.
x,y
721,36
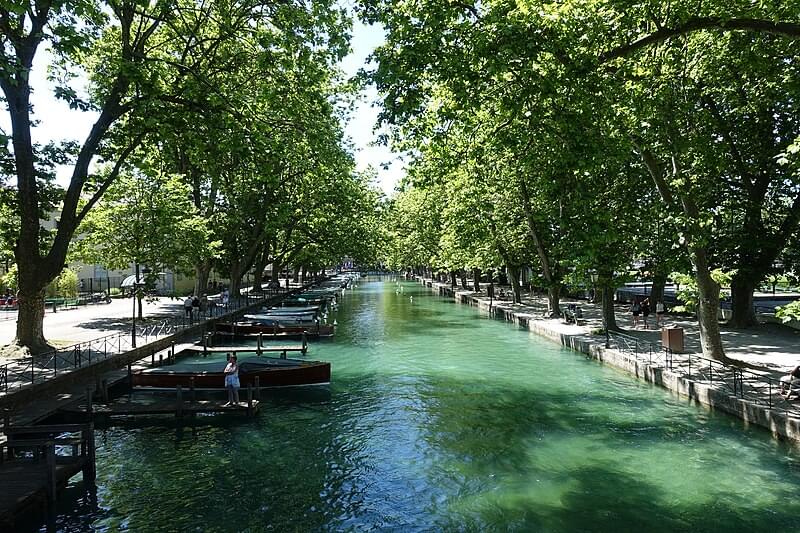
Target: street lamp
x,y
136,282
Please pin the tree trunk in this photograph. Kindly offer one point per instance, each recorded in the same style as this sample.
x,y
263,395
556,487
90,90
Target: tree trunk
x,y
476,279
296,275
202,271
464,284
276,272
513,276
743,315
139,297
657,292
30,331
708,308
258,275
609,316
553,300
453,281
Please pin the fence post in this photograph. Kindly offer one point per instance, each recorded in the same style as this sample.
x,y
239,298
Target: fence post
x,y
690,366
770,392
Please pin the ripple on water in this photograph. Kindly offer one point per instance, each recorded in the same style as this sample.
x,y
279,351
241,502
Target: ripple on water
x,y
440,420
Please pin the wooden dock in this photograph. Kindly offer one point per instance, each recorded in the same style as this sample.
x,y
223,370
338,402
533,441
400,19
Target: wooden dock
x,y
31,481
167,407
178,407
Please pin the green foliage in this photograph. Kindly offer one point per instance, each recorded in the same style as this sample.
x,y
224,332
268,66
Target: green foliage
x,y
146,218
788,312
10,278
64,286
688,292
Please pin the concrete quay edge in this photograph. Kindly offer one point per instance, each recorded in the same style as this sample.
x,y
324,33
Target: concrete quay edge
x,y
780,425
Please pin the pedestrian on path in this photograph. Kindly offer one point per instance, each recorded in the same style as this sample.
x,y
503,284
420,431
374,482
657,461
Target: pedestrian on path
x,y
660,309
187,306
645,311
789,380
636,310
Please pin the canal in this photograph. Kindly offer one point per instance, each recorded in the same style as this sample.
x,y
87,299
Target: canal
x,y
439,418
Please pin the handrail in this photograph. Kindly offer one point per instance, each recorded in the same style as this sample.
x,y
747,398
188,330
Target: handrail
x,y
741,383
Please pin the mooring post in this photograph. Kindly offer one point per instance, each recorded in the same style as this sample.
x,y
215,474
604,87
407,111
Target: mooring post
x,y
153,359
50,454
179,403
104,390
250,400
89,408
130,375
305,343
90,466
160,359
257,381
260,341
193,395
205,346
7,426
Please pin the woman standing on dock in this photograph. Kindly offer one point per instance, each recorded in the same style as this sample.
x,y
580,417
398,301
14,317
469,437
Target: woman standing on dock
x,y
232,380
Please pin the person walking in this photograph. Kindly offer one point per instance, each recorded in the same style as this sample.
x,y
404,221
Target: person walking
x,y
645,311
660,310
187,306
636,310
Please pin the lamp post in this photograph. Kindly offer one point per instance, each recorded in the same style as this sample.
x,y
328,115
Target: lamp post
x,y
137,282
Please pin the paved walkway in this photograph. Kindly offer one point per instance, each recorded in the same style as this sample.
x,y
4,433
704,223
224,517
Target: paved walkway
x,y
772,347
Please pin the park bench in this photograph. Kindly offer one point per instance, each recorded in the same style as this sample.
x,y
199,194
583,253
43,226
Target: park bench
x,y
573,314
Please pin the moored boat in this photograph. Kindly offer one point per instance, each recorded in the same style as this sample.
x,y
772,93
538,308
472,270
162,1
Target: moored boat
x,y
250,326
271,372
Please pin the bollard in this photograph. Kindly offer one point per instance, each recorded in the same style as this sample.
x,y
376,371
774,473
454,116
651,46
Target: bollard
x,y
89,409
305,343
90,466
179,403
50,452
160,359
258,388
193,395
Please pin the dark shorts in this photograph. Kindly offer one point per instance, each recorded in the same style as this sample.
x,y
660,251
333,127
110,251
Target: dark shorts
x,y
636,313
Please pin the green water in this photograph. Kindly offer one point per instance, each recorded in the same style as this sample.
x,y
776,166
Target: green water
x,y
438,418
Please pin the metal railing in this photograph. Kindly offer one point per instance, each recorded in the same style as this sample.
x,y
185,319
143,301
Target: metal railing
x,y
39,368
755,387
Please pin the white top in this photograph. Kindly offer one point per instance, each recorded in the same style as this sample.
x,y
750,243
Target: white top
x,y
659,307
232,369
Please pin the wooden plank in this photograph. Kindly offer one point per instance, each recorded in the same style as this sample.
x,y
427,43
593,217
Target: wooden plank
x,y
24,483
238,349
168,407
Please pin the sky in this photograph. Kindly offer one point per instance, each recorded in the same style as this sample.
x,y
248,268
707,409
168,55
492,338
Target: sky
x,y
58,122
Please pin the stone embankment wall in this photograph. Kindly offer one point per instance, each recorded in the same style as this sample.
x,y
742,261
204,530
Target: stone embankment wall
x,y
777,423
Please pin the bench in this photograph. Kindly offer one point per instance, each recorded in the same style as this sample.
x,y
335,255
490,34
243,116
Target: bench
x,y
573,315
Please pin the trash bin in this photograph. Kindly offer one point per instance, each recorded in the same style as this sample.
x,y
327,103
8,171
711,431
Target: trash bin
x,y
672,339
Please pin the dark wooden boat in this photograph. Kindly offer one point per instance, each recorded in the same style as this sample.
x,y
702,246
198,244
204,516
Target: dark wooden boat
x,y
319,330
271,372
